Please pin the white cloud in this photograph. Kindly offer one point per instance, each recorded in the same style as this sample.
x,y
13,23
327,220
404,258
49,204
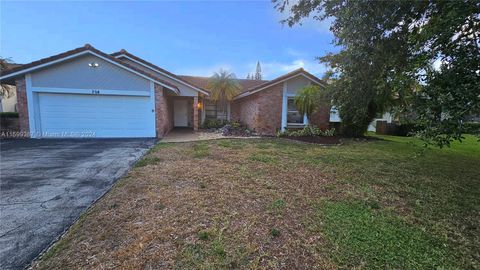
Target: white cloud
x,y
272,70
205,71
320,26
294,53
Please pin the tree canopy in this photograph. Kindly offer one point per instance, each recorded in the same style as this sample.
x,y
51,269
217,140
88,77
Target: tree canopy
x,y
420,57
223,86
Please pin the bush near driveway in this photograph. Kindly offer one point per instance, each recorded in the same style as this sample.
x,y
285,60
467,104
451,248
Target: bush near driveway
x,y
271,203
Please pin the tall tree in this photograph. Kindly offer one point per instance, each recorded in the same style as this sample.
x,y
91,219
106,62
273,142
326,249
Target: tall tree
x,y
387,55
223,87
258,72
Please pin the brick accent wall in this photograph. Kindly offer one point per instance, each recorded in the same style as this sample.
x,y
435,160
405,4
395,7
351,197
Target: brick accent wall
x,y
261,111
195,113
163,112
22,105
321,118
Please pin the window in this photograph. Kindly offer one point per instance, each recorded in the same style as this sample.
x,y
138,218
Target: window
x,y
293,116
213,110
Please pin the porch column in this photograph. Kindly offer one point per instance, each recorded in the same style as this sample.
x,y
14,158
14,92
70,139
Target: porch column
x,y
195,113
284,106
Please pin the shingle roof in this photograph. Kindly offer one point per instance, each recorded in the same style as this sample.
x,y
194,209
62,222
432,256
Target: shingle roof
x,y
296,72
203,82
87,47
247,86
153,66
10,66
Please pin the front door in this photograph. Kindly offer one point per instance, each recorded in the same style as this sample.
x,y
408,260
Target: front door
x,y
180,111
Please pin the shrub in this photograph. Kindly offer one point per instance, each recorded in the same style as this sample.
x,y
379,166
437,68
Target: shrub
x,y
472,127
329,132
306,132
235,128
9,114
227,128
214,123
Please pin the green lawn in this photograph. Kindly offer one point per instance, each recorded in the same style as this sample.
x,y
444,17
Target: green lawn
x,y
387,203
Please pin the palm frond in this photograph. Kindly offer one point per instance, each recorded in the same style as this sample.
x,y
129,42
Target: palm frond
x,y
223,86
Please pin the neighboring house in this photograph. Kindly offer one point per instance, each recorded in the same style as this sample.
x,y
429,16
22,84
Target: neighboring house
x,y
380,117
88,92
335,118
9,104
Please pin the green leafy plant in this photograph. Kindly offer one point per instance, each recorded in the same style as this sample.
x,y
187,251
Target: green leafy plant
x,y
204,235
274,232
306,132
277,206
263,157
201,150
214,123
223,87
418,56
147,161
309,99
8,114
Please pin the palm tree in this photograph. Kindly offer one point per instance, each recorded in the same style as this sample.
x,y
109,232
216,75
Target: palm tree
x,y
223,87
309,99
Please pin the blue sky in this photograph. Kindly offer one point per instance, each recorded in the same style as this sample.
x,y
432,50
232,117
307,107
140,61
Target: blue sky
x,y
191,38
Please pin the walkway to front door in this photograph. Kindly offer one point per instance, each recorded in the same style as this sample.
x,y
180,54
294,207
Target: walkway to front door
x,y
188,135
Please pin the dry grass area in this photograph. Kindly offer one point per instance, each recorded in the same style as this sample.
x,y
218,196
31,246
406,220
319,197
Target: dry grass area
x,y
239,204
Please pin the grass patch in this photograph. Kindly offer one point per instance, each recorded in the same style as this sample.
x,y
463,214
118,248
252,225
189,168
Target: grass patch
x,y
161,145
148,160
362,237
274,232
204,235
264,145
232,144
201,150
277,206
210,253
263,157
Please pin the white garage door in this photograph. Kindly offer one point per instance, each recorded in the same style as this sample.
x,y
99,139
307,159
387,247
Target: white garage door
x,y
105,116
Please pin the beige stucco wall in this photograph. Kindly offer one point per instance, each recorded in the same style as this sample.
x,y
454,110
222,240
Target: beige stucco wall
x,y
9,104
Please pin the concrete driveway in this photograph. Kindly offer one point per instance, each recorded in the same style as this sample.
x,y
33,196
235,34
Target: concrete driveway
x,y
46,184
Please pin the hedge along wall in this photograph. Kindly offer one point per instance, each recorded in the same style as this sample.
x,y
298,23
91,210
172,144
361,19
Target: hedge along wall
x,y
9,121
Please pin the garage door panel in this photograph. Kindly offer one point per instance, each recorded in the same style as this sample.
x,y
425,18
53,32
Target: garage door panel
x,y
101,115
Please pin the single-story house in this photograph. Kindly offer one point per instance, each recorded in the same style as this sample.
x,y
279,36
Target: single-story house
x,y
86,92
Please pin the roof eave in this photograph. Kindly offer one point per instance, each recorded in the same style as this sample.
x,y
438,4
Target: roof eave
x,y
82,51
157,69
273,82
